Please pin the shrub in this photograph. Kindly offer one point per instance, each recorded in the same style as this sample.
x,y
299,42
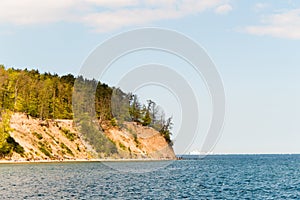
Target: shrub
x,y
15,145
69,151
113,122
38,135
135,138
45,149
122,146
71,136
10,146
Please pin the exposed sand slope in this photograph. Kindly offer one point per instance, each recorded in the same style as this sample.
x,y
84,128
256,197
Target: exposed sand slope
x,y
59,137
136,141
61,140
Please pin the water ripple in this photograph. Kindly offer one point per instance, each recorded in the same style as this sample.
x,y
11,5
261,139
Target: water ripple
x,y
215,177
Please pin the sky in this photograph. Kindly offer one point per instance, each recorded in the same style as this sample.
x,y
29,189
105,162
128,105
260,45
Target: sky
x,y
255,46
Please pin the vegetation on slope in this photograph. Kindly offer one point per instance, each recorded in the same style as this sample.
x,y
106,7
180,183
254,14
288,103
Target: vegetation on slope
x,y
7,144
48,96
47,139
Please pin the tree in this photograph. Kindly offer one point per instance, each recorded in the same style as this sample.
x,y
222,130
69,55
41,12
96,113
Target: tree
x,y
135,109
4,127
165,130
153,109
146,118
120,106
3,86
8,143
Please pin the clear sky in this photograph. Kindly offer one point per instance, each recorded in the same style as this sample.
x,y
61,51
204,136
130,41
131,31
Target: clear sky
x,y
255,45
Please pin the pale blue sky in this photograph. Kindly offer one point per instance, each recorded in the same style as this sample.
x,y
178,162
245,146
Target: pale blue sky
x,y
254,44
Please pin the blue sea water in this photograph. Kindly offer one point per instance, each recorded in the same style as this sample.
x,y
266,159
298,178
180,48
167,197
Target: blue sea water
x,y
214,177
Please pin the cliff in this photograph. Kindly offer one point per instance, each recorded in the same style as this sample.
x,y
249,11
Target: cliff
x,y
136,141
61,140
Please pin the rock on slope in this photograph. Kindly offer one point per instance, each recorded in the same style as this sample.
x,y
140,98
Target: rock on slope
x,y
60,140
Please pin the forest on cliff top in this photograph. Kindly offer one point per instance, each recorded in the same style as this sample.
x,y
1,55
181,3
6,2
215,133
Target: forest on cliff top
x,y
50,96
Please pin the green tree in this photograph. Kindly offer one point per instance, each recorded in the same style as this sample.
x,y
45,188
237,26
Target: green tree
x,y
166,130
120,106
7,143
146,118
4,127
135,109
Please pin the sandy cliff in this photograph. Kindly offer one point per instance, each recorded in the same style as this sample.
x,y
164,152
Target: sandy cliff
x,y
136,141
61,140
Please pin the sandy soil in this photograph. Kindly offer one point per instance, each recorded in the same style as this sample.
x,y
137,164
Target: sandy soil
x,y
134,142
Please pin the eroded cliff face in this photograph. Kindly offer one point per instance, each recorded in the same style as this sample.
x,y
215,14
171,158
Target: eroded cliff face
x,y
47,139
61,140
136,141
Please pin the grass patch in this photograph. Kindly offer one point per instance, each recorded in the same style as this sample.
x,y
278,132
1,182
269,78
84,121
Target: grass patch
x,y
45,149
113,122
122,146
38,135
70,135
69,151
52,137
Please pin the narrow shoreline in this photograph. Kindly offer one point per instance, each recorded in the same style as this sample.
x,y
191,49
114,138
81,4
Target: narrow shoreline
x,y
80,161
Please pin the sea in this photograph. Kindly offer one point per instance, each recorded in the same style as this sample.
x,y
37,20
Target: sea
x,y
211,177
